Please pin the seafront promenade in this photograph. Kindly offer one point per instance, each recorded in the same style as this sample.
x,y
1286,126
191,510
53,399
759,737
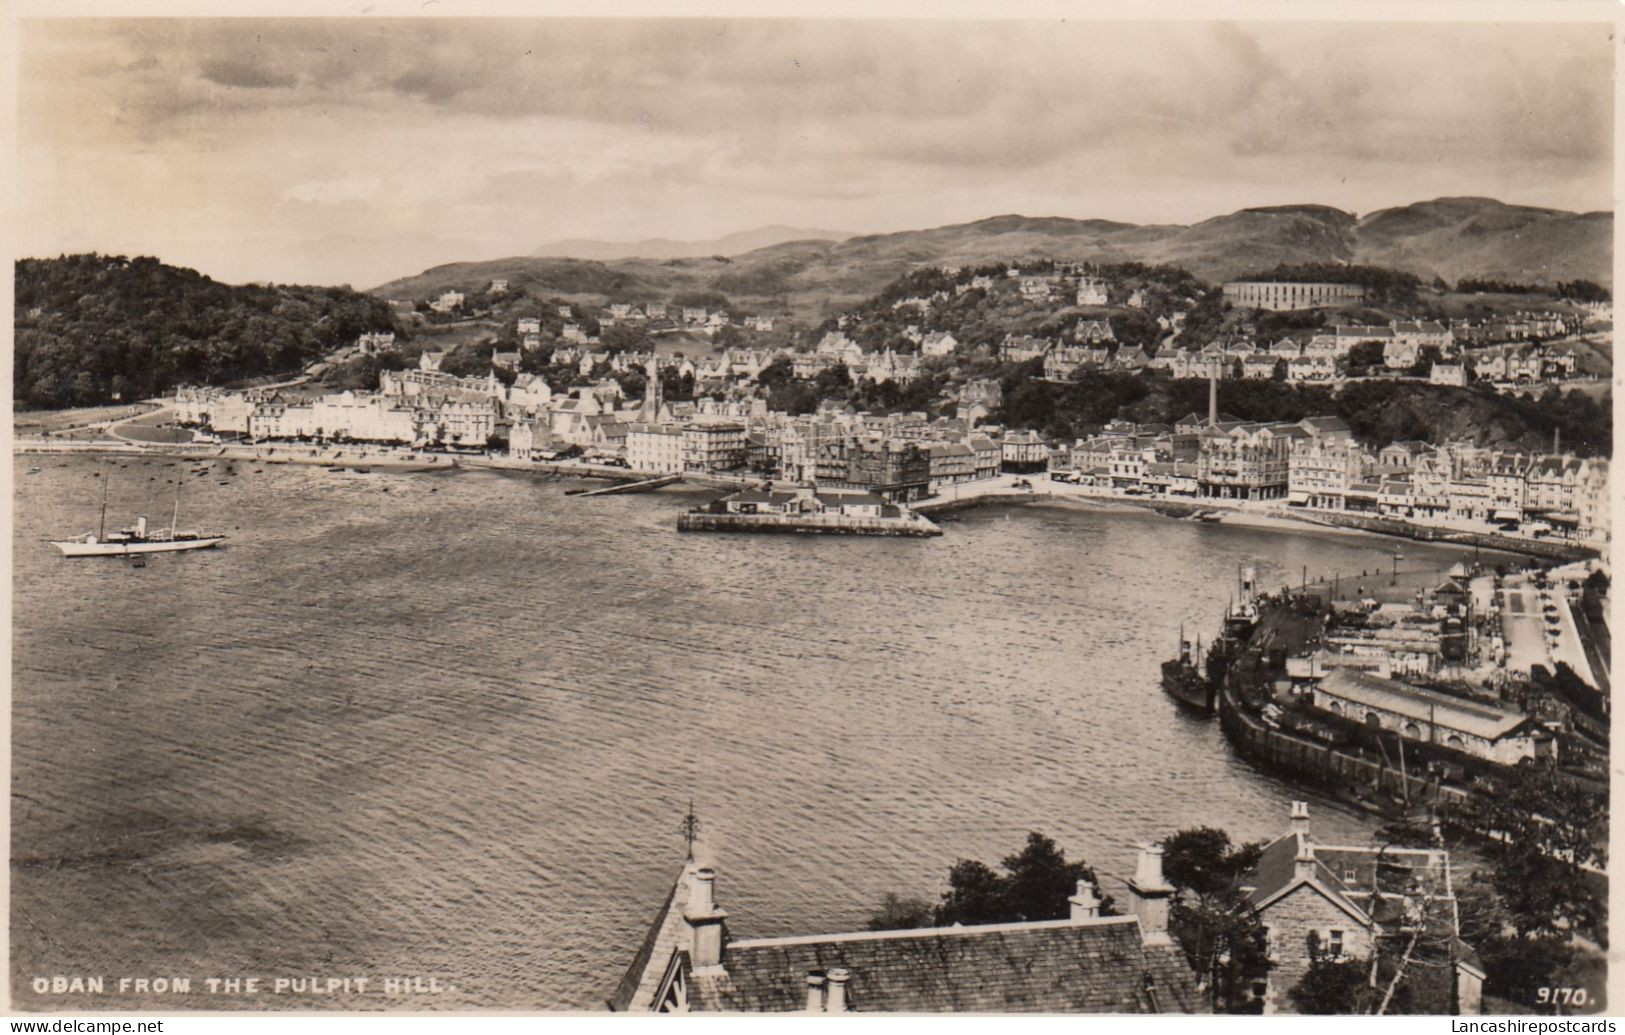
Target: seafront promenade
x,y
1001,490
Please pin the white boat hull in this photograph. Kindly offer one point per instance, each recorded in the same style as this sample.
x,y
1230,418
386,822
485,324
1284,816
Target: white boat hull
x,y
76,548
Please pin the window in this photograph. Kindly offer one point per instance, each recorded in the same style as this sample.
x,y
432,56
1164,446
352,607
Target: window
x,y
1350,874
1334,943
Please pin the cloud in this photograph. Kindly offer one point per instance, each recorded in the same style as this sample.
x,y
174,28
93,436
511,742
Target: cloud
x,y
245,74
499,130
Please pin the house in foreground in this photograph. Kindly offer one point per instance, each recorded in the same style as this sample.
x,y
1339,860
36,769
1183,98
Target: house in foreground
x,y
1087,963
1345,900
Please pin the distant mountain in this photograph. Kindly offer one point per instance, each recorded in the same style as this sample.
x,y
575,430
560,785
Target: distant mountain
x,y
809,278
662,248
1481,237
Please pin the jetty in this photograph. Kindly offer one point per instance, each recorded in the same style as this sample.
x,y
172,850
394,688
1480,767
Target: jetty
x,y
647,485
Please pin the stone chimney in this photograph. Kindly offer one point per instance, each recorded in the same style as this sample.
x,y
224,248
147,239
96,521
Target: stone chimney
x,y
1300,818
1151,894
836,1003
704,920
1303,865
815,992
1085,904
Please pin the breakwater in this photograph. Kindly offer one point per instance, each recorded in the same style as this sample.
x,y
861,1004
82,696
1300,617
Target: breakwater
x,y
814,524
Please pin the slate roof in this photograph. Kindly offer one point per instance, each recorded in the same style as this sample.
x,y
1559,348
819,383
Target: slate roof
x,y
1090,966
1479,719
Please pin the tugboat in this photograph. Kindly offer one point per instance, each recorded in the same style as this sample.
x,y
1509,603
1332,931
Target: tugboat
x,y
1183,679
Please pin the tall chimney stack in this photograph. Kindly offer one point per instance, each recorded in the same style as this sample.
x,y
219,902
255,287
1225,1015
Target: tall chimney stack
x,y
1300,818
704,920
837,991
1151,896
1303,864
815,992
1085,904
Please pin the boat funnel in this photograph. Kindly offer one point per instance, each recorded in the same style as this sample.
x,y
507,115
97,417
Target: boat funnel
x,y
141,527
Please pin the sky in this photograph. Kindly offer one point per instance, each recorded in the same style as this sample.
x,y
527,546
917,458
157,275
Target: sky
x,y
356,150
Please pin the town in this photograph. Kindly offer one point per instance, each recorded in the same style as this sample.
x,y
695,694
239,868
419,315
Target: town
x,y
789,412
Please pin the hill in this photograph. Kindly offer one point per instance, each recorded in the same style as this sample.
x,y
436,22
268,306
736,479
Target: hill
x,y
662,248
1480,237
93,329
810,279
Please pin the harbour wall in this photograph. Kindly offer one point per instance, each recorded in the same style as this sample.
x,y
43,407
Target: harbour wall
x,y
816,524
1322,764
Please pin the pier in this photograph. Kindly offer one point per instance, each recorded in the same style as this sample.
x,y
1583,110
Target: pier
x,y
647,485
809,524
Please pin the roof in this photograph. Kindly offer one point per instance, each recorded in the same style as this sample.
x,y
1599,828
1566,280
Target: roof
x,y
1099,965
1276,874
1479,719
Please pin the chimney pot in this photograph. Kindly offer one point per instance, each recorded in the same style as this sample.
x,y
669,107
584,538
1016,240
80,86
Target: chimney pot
x,y
1085,904
702,893
837,991
815,992
1151,894
1300,818
704,920
1303,865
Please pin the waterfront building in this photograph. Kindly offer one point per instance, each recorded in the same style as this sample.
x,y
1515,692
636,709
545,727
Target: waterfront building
x,y
690,962
275,418
711,446
1023,452
1280,295
898,470
365,417
1320,470
1247,461
1483,729
1346,900
443,420
657,450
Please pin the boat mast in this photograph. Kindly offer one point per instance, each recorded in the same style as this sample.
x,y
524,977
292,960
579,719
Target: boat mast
x,y
101,529
175,518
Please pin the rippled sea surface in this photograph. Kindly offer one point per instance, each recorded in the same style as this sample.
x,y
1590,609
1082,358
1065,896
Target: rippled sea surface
x,y
447,725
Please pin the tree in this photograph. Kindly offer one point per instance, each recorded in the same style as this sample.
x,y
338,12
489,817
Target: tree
x,y
1333,985
1216,926
1365,355
1035,885
901,914
1551,829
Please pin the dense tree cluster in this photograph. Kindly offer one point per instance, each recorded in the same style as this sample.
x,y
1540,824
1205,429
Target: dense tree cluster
x,y
92,329
1033,884
1576,290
